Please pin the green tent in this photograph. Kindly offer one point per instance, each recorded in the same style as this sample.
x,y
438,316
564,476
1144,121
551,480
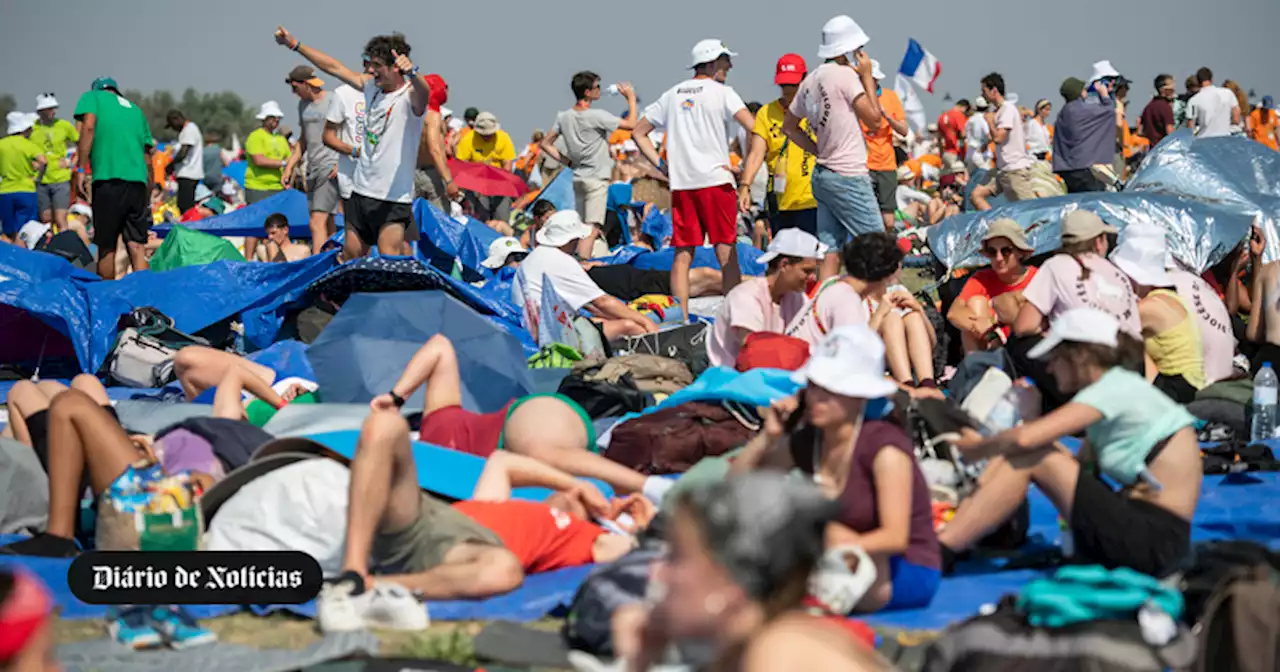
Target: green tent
x,y
185,247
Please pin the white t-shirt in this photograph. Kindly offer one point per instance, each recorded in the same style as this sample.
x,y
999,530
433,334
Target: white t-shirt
x,y
1038,140
389,153
1012,155
696,115
977,140
571,282
1211,110
346,109
191,168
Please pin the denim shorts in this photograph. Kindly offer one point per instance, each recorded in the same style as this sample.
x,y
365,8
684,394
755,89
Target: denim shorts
x,y
847,207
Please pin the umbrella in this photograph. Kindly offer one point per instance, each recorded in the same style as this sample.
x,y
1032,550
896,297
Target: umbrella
x,y
376,275
363,351
486,180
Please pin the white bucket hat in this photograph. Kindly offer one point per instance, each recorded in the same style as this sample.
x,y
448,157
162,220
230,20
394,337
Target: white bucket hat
x,y
793,243
848,361
841,35
876,73
707,51
1143,258
45,101
270,109
487,124
20,121
1078,325
445,112
500,249
561,228
31,233
1102,70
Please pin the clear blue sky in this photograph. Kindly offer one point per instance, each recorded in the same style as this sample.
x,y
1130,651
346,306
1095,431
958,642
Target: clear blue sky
x,y
515,58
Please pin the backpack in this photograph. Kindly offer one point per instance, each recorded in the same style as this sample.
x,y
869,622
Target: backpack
x,y
1232,595
767,350
672,440
605,399
588,625
145,349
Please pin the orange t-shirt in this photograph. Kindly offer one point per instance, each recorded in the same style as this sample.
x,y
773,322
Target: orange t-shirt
x,y
880,154
987,284
542,538
619,136
1264,133
159,162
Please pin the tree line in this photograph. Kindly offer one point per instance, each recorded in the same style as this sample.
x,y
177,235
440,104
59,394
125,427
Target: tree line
x,y
221,113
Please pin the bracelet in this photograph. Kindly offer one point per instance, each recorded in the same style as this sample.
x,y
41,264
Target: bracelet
x,y
396,399
355,151
297,44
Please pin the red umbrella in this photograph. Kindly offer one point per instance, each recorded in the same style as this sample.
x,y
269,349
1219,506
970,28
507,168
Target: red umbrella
x,y
486,180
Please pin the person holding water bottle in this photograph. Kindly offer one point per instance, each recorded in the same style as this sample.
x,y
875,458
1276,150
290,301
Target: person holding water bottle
x,y
1135,435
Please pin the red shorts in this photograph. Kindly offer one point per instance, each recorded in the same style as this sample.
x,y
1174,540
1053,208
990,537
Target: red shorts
x,y
462,430
711,212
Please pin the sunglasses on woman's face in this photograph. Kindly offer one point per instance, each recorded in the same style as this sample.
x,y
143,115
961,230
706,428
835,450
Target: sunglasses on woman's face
x,y
1006,251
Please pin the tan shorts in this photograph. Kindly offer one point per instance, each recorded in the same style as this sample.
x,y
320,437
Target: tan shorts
x,y
1016,185
423,545
591,198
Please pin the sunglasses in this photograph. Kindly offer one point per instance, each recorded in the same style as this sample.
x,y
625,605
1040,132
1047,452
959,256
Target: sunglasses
x,y
1008,251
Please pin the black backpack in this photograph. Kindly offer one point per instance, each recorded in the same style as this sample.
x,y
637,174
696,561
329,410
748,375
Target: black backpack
x,y
588,626
1232,592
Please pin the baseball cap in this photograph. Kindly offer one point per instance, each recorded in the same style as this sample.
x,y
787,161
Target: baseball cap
x,y
304,73
1007,228
1080,225
439,92
1078,325
848,361
1143,259
487,124
500,249
563,227
1268,102
793,243
980,103
216,205
45,101
791,70
707,51
841,35
103,83
31,233
270,109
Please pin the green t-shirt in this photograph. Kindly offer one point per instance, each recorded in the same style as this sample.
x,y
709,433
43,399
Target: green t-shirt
x,y
120,138
16,172
1135,417
53,140
270,146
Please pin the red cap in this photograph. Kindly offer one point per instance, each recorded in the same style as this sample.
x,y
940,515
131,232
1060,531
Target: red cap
x,y
791,70
439,94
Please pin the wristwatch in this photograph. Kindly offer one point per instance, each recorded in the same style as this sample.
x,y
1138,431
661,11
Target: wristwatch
x,y
396,399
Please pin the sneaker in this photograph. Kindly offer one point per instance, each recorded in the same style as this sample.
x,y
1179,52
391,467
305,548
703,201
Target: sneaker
x,y
131,627
342,604
393,607
178,628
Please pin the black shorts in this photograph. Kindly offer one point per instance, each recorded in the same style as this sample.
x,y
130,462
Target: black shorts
x,y
1114,530
1081,181
1176,387
120,208
38,427
805,220
628,283
186,194
885,184
366,217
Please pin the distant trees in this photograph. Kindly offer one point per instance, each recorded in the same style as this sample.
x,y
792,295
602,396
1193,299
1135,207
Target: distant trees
x,y
7,104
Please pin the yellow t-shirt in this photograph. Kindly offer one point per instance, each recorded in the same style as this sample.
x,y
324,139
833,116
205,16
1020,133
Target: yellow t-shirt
x,y
270,146
797,193
17,176
53,140
492,149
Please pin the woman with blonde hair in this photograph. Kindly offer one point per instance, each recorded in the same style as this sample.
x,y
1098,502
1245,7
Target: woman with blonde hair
x,y
1243,99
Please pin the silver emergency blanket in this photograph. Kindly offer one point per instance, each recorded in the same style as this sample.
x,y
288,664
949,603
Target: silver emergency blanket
x,y
1205,194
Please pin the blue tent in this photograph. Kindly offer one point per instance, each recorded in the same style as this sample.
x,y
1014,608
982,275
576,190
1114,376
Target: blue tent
x,y
248,221
366,347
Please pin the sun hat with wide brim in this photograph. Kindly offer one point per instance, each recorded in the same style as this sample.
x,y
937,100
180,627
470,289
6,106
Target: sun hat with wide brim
x,y
1143,259
848,361
707,51
487,124
1007,228
266,459
562,228
270,109
500,250
841,35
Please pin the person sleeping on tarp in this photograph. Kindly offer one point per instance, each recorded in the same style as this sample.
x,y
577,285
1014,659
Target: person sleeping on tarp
x,y
259,391
1135,435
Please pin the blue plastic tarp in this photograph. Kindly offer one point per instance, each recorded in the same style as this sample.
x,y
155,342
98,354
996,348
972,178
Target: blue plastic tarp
x,y
558,192
468,243
235,170
248,221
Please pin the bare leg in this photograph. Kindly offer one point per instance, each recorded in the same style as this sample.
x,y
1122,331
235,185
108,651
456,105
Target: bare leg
x,y
384,493
705,282
82,435
980,195
680,276
391,240
91,386
107,263
981,307
919,345
199,368
547,430
250,247
1000,493
894,333
469,571
322,228
25,400
731,274
228,400
138,256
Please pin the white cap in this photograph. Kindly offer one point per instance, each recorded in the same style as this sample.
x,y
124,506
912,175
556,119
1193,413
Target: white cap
x,y
456,124
270,109
980,103
1078,325
876,73
707,51
45,101
445,112
841,35
793,243
1103,69
31,233
500,249
1143,258
565,226
20,121
81,209
203,193
848,361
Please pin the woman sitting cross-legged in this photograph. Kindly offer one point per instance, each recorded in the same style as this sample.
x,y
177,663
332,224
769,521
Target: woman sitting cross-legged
x,y
1136,435
991,298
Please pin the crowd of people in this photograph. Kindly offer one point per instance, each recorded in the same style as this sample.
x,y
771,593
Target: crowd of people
x,y
826,510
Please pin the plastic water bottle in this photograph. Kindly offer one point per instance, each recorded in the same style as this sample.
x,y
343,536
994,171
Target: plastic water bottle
x,y
1005,414
1265,386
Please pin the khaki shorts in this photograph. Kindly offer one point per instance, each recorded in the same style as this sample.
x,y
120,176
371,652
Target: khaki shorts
x,y
423,545
1016,185
591,198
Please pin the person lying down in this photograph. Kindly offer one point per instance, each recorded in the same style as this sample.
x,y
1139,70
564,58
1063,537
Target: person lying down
x,y
403,545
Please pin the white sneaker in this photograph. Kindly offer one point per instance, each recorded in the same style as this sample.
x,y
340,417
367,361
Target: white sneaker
x,y
393,607
339,610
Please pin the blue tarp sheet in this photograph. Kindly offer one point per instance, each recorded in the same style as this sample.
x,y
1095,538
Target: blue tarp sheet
x,y
468,243
235,170
248,221
703,257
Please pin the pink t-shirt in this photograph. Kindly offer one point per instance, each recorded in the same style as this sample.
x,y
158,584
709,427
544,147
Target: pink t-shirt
x,y
749,306
826,99
1057,288
1013,154
834,304
1215,324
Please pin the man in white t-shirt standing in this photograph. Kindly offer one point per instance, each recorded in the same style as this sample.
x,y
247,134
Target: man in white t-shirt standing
x,y
188,164
585,132
1214,110
834,99
396,94
977,137
343,131
1013,176
696,115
